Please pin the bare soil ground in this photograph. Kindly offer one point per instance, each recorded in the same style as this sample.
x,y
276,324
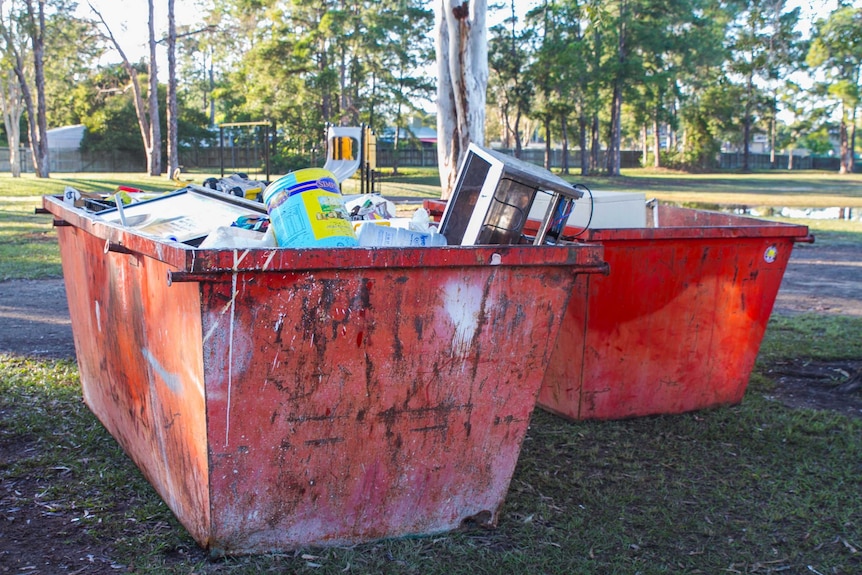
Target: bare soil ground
x,y
34,321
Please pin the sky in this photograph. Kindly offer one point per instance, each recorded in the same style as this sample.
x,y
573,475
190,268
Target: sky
x,y
128,22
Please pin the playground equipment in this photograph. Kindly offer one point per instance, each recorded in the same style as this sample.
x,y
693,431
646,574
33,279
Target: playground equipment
x,y
245,148
350,149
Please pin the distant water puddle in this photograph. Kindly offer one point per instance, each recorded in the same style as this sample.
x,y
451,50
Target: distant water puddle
x,y
834,213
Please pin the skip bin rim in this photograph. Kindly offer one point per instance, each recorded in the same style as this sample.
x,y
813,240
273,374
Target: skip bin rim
x,y
188,259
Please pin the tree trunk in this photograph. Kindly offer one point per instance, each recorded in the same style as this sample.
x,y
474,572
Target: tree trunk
x,y
11,100
140,109
212,87
746,125
39,137
844,148
644,146
173,110
851,165
397,141
546,121
24,86
790,161
595,144
582,143
656,144
772,135
614,133
462,80
564,144
516,132
154,156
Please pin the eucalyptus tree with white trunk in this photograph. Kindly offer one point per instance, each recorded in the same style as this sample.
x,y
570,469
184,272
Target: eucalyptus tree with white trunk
x,y
148,114
154,152
12,104
173,113
462,82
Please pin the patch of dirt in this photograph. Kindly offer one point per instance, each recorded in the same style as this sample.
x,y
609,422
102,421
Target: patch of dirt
x,y
34,319
833,385
823,280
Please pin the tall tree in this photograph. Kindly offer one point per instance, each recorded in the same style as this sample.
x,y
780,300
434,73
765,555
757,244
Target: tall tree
x,y
397,81
512,87
763,42
836,49
462,82
39,138
619,71
154,157
172,111
12,104
29,22
148,114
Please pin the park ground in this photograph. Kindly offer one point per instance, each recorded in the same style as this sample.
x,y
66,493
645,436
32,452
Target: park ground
x,y
822,279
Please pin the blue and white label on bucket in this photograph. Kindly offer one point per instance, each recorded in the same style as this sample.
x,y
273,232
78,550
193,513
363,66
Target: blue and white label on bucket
x,y
325,184
770,254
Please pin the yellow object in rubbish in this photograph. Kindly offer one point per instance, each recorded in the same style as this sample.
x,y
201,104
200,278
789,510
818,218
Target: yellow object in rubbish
x,y
122,196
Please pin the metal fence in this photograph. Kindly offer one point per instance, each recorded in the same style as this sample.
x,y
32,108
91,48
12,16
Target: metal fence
x,y
62,161
735,160
250,159
427,156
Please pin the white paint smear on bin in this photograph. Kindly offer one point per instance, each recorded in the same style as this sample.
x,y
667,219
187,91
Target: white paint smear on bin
x,y
463,304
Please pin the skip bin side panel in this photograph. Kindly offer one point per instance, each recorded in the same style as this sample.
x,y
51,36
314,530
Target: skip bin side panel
x,y
561,390
675,327
137,343
348,405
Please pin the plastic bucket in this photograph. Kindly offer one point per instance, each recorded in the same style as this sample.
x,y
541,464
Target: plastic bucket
x,y
306,210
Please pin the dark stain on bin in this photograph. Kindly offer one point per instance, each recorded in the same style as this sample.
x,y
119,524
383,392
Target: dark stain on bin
x,y
270,415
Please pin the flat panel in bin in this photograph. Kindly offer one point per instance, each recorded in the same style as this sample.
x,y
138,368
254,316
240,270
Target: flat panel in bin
x,y
601,209
677,324
282,398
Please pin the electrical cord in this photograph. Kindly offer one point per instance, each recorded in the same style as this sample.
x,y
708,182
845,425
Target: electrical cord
x,y
589,219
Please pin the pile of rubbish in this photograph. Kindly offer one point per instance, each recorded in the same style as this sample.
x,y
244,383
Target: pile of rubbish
x,y
504,201
302,209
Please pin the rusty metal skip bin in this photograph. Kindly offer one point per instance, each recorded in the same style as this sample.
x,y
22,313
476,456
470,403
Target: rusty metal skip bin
x,y
677,324
283,398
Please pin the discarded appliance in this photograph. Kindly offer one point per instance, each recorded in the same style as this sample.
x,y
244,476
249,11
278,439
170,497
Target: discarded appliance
x,y
601,209
187,215
493,197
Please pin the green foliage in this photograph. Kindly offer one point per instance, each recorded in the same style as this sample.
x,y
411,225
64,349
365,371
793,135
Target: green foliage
x,y
106,107
511,86
819,140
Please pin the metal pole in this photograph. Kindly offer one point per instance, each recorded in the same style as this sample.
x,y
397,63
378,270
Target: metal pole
x,y
221,149
266,149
